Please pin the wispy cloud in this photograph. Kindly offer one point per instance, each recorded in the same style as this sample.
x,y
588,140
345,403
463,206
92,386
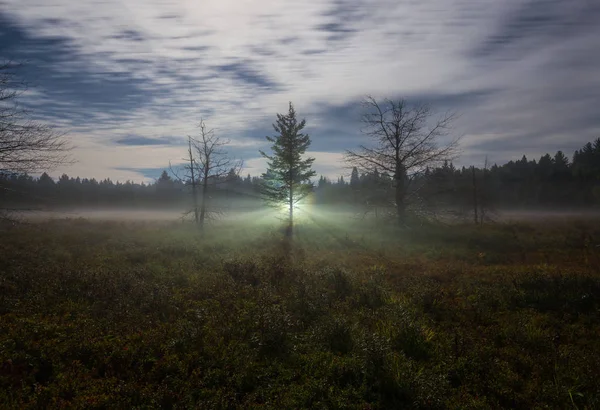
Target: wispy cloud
x,y
137,140
123,74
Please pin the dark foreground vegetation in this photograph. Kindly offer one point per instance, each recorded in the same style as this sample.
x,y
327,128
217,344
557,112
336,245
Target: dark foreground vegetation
x,y
123,315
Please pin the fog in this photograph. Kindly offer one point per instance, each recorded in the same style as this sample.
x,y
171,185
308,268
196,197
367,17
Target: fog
x,y
540,215
105,215
254,215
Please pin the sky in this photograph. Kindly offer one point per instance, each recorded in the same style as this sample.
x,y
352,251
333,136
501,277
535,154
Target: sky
x,y
129,80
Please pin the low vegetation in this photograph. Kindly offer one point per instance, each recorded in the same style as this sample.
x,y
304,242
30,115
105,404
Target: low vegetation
x,y
148,315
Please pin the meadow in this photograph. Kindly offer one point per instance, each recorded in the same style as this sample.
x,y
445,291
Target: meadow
x,y
346,314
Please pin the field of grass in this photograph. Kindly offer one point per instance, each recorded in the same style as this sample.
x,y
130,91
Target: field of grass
x,y
159,315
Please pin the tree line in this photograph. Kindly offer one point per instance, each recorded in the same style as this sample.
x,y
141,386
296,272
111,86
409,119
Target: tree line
x,y
552,181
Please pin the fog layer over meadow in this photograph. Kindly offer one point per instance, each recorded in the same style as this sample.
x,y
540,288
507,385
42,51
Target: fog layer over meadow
x,y
267,215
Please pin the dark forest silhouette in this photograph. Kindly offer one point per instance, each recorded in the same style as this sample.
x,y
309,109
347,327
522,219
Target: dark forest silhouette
x,y
549,182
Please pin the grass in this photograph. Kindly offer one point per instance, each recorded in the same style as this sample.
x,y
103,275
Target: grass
x,y
143,315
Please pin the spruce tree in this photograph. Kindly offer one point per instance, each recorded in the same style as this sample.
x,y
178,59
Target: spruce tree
x,y
354,178
287,180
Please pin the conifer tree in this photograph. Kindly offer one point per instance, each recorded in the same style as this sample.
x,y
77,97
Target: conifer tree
x,y
354,178
287,180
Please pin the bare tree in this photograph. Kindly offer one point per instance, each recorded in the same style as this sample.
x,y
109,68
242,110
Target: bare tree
x,y
214,165
26,146
405,141
206,166
190,177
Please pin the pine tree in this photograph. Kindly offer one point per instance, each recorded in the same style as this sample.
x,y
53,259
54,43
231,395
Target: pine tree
x,y
287,180
322,182
354,179
165,187
45,180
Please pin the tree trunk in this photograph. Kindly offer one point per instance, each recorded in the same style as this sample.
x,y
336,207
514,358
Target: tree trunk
x,y
291,221
400,194
204,194
475,206
195,204
194,193
400,205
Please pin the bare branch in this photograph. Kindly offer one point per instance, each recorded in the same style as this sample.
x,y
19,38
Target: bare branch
x,y
404,142
207,165
26,146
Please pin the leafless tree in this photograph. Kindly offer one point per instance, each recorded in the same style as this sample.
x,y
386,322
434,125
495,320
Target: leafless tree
x,y
405,141
189,177
26,146
206,166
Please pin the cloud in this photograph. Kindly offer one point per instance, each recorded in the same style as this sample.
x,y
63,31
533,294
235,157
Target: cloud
x,y
95,159
244,72
536,23
523,73
128,35
144,141
68,87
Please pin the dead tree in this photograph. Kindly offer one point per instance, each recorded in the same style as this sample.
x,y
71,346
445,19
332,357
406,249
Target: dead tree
x,y
206,166
193,179
189,177
405,141
26,146
214,165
